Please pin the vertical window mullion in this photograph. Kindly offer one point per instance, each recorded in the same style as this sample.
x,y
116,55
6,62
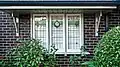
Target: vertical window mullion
x,y
66,33
50,31
47,33
80,31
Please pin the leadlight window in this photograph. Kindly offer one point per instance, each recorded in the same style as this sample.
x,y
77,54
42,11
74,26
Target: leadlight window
x,y
65,31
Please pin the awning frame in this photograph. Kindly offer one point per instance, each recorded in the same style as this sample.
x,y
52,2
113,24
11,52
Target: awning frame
x,y
55,7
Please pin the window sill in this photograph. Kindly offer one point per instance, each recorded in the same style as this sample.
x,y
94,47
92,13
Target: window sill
x,y
69,53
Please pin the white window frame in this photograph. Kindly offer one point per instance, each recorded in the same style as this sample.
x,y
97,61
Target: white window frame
x,y
60,51
75,51
65,32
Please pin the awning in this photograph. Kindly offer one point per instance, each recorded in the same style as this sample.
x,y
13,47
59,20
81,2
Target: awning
x,y
58,9
60,2
34,6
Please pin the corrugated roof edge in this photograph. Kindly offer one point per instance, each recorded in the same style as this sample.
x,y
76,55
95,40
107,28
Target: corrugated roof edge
x,y
59,3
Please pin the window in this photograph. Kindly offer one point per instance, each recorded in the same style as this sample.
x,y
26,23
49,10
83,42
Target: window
x,y
65,31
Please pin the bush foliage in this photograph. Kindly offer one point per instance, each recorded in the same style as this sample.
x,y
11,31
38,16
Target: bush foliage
x,y
30,53
107,53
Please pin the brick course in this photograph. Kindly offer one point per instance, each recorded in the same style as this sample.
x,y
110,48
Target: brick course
x,y
8,38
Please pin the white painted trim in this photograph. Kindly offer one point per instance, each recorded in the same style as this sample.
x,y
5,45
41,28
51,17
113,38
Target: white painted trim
x,y
65,53
58,7
82,29
62,50
66,33
47,33
74,53
50,37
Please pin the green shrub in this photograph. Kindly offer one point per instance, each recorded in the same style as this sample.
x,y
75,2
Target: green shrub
x,y
75,60
30,53
107,53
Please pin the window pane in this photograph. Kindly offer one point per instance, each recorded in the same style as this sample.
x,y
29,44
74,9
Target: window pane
x,y
73,32
57,31
40,28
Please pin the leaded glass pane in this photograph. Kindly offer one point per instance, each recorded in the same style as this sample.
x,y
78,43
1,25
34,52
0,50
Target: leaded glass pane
x,y
40,28
57,31
73,32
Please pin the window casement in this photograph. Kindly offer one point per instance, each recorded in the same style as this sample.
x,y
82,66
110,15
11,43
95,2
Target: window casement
x,y
74,32
65,31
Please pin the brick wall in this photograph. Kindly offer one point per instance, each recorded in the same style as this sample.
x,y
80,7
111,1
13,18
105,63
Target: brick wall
x,y
114,18
90,40
7,31
8,38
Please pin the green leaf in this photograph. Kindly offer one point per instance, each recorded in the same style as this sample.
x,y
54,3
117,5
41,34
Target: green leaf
x,y
89,63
